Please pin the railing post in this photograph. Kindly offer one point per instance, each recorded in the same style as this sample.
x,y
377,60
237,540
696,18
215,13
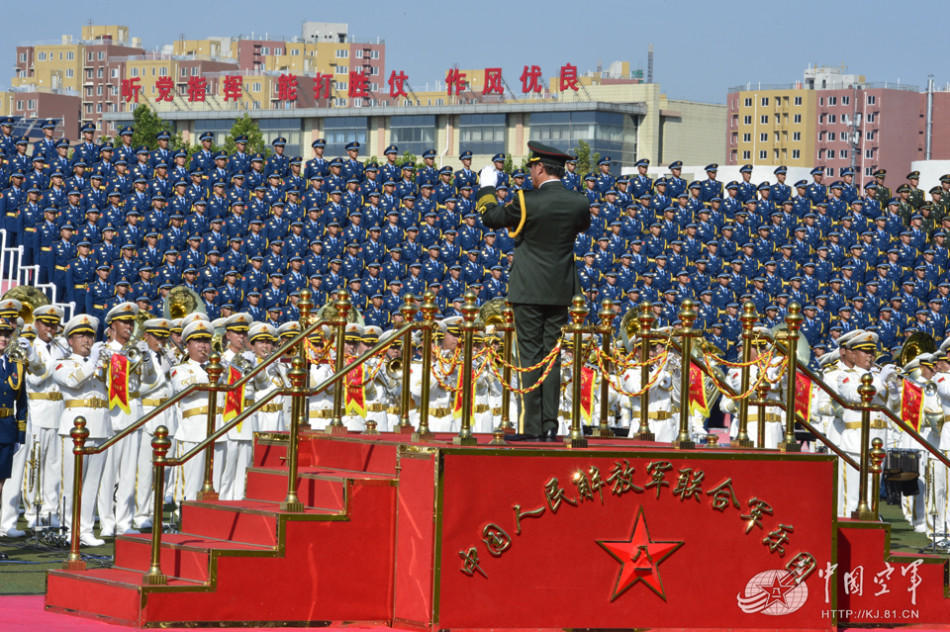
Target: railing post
x,y
867,392
762,393
469,313
508,314
429,310
793,321
748,320
305,306
342,311
606,315
214,371
877,459
160,445
646,320
578,314
408,310
687,317
79,434
298,377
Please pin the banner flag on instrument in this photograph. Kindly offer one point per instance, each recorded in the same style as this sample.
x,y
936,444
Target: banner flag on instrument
x,y
588,379
119,382
697,394
355,402
912,403
803,395
234,400
457,406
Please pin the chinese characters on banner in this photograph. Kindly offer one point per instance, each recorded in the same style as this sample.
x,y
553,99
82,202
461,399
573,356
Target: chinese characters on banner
x,y
457,83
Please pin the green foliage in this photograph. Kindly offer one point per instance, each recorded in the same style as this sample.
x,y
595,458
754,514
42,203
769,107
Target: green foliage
x,y
509,165
412,159
246,126
146,124
585,161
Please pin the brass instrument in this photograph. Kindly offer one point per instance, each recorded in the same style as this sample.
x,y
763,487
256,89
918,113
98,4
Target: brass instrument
x,y
328,313
916,344
629,328
30,298
15,352
180,302
394,368
802,348
242,363
490,315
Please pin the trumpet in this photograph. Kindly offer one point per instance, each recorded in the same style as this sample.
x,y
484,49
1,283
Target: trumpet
x,y
242,363
60,343
394,368
17,350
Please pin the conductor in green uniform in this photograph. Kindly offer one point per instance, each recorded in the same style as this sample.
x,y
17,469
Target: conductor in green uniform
x,y
543,278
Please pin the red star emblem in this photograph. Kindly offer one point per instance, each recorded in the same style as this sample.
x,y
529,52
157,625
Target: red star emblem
x,y
639,558
777,589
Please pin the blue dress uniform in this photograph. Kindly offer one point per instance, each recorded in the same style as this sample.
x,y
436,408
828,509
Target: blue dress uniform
x,y
12,410
352,168
98,296
710,187
278,163
817,192
79,273
318,165
239,161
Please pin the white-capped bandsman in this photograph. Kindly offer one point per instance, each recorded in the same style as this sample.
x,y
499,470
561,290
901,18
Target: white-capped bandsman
x,y
120,467
320,406
263,340
237,443
445,340
193,409
377,397
392,358
861,350
40,481
155,389
660,398
774,419
84,395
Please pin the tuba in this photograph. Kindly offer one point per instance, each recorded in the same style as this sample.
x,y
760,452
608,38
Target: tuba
x,y
916,344
29,297
180,302
629,328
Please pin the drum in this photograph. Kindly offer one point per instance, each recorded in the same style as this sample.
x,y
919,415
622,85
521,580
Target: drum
x,y
901,474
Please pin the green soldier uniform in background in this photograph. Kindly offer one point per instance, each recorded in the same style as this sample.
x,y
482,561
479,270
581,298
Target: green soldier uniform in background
x,y
543,276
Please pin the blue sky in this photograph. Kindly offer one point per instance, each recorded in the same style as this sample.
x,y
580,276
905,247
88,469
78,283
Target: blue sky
x,y
701,48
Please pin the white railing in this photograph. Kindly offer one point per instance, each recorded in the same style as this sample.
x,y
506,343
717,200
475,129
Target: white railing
x,y
13,273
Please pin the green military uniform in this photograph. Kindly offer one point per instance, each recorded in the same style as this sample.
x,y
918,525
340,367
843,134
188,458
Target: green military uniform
x,y
916,195
883,193
543,277
941,206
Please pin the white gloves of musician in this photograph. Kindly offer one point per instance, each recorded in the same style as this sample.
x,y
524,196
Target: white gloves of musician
x,y
888,375
488,177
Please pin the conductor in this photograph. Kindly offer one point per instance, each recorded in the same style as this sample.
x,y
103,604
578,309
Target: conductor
x,y
544,222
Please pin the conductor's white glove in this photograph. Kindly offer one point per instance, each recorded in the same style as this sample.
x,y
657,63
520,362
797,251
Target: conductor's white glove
x,y
488,177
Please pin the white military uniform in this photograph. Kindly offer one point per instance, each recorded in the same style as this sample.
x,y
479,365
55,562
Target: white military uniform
x,y
41,478
937,495
84,395
440,399
660,401
849,429
120,467
918,508
192,425
155,390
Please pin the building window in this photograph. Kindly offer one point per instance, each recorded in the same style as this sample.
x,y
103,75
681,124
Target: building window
x,y
163,72
821,100
867,171
339,102
89,107
747,120
797,118
19,104
746,155
845,100
135,72
295,52
829,171
765,101
821,136
359,53
832,118
41,56
796,153
747,138
99,90
100,73
798,100
91,56
278,51
69,73
764,136
821,154
843,153
764,154
872,99
796,135
70,55
871,117
375,53
831,136
256,86
832,100
102,55
99,107
22,58
869,134
115,73
194,71
765,118
822,118
831,153
869,153
342,53
485,133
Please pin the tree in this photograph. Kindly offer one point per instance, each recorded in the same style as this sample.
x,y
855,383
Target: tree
x,y
509,165
146,124
246,126
411,159
585,162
